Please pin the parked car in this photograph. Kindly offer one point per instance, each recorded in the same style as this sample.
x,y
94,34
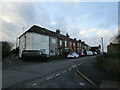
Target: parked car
x,y
89,53
95,53
73,55
82,54
34,54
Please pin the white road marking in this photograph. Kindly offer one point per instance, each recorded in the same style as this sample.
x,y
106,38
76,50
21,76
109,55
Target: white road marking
x,y
64,71
70,69
57,74
47,78
34,84
73,66
78,64
81,63
51,77
82,84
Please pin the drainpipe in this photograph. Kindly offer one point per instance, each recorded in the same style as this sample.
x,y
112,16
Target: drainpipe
x,y
25,41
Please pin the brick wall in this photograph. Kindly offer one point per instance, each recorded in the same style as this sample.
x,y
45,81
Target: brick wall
x,y
113,48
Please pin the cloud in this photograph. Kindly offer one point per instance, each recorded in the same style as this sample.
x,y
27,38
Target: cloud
x,y
16,15
68,17
93,36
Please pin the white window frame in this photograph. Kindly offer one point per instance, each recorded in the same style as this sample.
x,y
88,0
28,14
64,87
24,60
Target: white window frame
x,y
60,42
78,44
65,43
53,40
74,44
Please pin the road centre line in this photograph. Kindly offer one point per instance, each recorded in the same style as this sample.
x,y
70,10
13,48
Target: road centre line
x,y
64,71
57,74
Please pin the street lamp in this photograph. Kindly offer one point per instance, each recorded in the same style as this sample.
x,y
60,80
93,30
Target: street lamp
x,y
102,45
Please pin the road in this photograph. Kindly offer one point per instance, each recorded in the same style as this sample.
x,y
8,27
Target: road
x,y
54,73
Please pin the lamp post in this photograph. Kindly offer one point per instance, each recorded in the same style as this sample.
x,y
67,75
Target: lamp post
x,y
102,45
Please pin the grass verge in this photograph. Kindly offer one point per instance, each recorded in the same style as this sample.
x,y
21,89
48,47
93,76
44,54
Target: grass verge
x,y
109,63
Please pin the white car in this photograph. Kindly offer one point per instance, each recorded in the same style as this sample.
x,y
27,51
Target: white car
x,y
89,53
95,53
73,55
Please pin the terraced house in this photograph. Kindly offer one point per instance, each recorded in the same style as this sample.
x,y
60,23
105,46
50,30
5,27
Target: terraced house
x,y
49,42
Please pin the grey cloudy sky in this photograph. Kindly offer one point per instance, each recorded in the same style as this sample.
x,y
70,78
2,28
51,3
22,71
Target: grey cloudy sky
x,y
88,21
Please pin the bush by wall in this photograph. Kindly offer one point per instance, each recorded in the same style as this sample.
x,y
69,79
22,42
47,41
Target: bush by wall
x,y
109,63
6,48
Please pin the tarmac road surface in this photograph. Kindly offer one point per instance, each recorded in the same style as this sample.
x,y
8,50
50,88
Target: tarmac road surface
x,y
51,74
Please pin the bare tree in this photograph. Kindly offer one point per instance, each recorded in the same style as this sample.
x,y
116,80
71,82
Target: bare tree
x,y
116,39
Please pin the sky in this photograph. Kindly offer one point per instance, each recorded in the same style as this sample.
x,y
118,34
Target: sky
x,y
87,21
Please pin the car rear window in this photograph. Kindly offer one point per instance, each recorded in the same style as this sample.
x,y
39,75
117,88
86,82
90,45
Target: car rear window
x,y
70,53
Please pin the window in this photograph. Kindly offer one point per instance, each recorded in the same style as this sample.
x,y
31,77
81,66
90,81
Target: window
x,y
52,51
60,42
53,41
70,43
78,44
74,44
65,43
43,39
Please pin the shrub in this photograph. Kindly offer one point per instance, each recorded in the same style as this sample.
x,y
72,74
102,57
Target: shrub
x,y
109,63
6,48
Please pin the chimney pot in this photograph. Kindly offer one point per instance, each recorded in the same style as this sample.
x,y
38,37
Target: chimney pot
x,y
74,38
79,40
67,35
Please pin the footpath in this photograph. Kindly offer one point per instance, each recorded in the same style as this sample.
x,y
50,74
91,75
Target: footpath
x,y
98,77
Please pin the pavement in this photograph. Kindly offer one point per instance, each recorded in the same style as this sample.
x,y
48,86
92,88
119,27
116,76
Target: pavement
x,y
99,77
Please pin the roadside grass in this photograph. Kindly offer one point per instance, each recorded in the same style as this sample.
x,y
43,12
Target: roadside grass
x,y
109,63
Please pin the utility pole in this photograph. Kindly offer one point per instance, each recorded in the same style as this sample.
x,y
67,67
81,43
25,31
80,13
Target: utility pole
x,y
25,38
102,45
16,42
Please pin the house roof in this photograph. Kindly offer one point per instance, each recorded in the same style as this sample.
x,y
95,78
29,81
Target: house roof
x,y
44,31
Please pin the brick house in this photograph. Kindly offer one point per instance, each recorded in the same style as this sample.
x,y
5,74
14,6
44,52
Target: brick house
x,y
79,46
52,43
113,48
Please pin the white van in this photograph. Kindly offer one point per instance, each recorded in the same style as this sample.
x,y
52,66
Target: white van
x,y
89,53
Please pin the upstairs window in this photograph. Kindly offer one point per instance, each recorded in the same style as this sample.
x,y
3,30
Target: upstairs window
x,y
65,43
74,44
53,41
60,42
78,44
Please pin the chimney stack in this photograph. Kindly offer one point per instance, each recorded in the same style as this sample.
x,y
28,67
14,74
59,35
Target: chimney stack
x,y
79,40
75,39
58,31
67,35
